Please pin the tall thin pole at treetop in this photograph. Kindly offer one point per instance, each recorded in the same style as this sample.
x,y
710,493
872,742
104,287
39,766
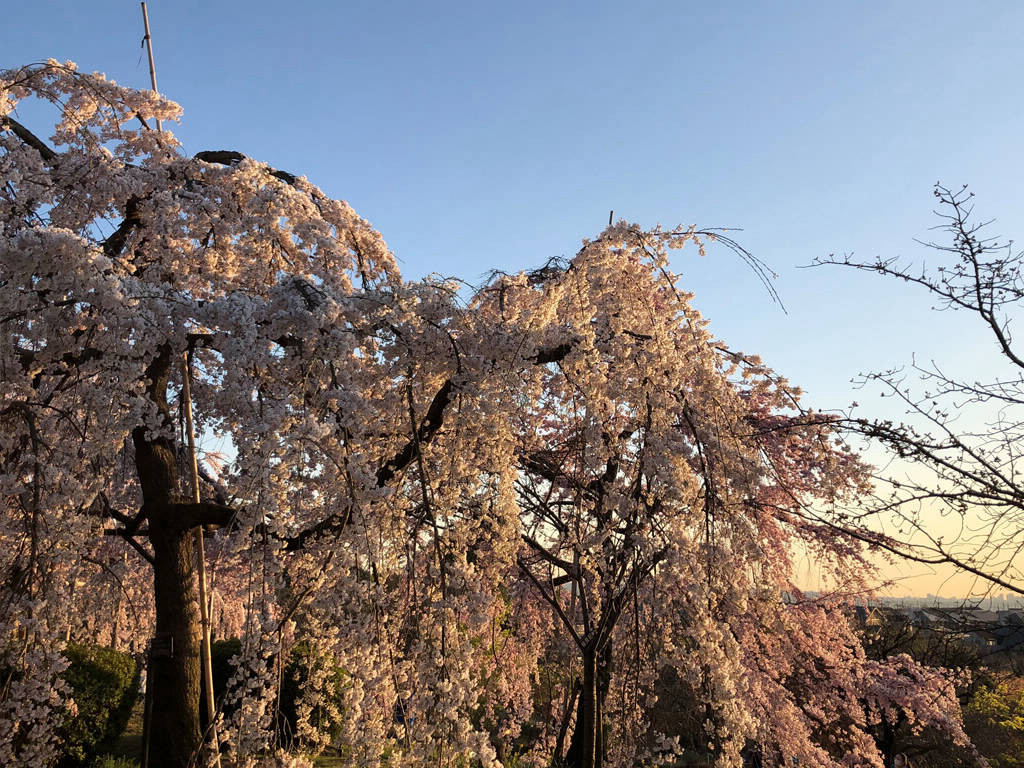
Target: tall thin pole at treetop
x,y
186,391
148,40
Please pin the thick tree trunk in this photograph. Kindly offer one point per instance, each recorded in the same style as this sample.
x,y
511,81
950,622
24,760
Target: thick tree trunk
x,y
174,670
174,734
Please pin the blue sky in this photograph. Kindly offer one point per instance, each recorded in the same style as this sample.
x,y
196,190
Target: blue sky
x,y
484,135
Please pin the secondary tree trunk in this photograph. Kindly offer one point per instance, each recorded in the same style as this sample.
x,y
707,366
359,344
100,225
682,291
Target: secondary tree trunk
x,y
604,679
591,711
586,748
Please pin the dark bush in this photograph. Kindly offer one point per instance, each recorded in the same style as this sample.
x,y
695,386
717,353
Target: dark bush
x,y
105,686
300,661
292,685
221,653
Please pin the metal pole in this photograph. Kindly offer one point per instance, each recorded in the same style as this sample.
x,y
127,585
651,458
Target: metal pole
x,y
149,47
204,606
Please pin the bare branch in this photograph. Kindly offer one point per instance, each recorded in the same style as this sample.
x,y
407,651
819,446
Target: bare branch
x,y
28,137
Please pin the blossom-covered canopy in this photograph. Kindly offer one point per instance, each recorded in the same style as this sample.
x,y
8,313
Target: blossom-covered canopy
x,y
500,520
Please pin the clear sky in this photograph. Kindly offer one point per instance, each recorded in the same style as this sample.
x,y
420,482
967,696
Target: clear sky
x,y
479,135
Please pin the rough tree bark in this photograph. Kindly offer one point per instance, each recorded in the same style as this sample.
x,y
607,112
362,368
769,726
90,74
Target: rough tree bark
x,y
174,671
175,735
586,748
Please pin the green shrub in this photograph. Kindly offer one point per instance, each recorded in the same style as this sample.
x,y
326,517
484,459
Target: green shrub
x,y
105,686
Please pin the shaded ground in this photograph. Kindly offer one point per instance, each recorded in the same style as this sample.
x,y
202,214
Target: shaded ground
x,y
130,743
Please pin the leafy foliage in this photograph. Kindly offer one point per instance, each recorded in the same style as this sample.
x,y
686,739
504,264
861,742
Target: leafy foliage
x,y
105,686
995,717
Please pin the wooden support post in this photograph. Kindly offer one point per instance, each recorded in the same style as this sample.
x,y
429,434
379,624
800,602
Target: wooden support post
x,y
204,604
